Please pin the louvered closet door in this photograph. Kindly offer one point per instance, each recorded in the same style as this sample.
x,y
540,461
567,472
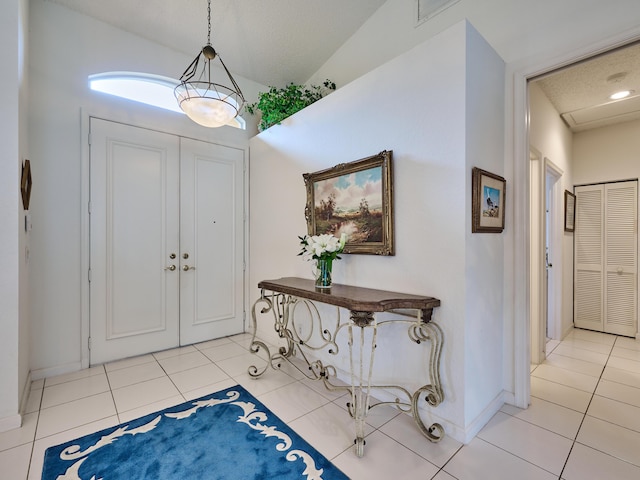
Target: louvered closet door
x,y
606,251
621,246
589,243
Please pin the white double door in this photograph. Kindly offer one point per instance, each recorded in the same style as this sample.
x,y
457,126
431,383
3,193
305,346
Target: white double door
x,y
166,241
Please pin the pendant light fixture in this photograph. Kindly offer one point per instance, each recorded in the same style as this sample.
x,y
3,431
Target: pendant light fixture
x,y
203,100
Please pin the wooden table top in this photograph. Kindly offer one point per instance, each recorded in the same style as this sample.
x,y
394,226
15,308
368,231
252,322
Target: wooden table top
x,y
353,298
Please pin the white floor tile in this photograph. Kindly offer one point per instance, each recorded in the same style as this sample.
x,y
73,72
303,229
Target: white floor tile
x,y
591,336
480,460
292,401
571,351
332,395
216,387
597,347
69,377
150,408
624,364
626,342
403,429
586,463
144,393
565,377
183,361
329,429
14,463
612,411
74,390
384,459
129,362
131,375
619,392
617,441
621,376
271,380
20,436
173,352
222,352
555,393
74,414
575,365
550,416
240,364
536,445
212,343
626,353
198,377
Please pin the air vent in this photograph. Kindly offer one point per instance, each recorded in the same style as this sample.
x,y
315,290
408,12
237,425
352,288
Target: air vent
x,y
427,9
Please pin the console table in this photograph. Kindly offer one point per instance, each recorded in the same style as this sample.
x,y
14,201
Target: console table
x,y
281,297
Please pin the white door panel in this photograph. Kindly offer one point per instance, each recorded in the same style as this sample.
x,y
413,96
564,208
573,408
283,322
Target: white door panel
x,y
212,225
166,241
134,302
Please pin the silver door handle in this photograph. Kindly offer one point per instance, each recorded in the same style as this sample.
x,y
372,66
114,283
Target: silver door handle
x,y
186,268
170,267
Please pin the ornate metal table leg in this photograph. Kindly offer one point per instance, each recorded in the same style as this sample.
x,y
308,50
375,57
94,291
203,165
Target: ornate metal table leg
x,y
361,380
434,395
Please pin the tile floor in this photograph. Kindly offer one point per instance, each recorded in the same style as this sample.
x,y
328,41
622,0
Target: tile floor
x,y
583,423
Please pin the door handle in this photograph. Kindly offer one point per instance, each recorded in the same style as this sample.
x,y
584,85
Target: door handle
x,y
186,268
170,267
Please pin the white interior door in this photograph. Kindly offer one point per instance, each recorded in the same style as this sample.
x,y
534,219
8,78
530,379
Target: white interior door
x,y
166,241
621,247
134,304
606,258
211,252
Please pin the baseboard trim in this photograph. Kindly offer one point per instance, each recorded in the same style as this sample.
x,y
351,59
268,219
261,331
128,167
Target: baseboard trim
x,y
481,420
26,391
58,370
10,422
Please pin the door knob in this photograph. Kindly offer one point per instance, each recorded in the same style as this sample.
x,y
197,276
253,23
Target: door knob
x,y
170,267
185,255
172,256
186,268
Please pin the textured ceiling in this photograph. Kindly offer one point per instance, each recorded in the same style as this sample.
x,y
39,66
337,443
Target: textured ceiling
x,y
581,92
273,42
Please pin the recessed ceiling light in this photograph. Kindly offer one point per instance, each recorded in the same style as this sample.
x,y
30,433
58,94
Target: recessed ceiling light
x,y
620,94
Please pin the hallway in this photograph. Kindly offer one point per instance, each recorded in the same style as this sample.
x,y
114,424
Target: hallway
x,y
583,422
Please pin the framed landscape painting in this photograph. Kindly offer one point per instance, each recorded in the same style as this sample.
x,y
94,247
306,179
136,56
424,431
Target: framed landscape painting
x,y
487,204
354,198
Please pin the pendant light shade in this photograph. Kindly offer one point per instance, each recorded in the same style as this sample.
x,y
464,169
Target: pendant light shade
x,y
204,101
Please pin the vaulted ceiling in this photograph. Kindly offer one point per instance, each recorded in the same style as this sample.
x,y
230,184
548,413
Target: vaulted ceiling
x,y
272,42
275,42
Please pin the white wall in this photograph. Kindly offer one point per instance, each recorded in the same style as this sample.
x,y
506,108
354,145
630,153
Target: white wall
x,y
607,154
438,127
66,47
13,315
554,141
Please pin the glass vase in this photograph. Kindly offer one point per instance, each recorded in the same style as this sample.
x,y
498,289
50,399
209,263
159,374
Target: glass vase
x,y
323,272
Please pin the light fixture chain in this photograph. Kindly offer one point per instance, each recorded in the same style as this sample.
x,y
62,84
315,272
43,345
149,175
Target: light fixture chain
x,y
209,22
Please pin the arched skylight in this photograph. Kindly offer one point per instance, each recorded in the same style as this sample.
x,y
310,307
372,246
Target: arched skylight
x,y
146,88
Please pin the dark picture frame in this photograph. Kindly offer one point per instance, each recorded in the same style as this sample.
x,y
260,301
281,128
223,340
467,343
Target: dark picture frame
x,y
355,198
488,201
26,183
569,211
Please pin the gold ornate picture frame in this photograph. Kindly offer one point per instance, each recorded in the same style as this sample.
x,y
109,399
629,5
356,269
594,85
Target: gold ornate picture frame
x,y
355,198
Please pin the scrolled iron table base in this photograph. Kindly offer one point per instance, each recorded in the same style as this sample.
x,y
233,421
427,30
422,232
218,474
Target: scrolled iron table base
x,y
289,294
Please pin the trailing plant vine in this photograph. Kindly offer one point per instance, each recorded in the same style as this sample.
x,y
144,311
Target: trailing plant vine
x,y
280,103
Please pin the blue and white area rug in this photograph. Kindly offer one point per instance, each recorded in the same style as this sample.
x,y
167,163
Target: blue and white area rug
x,y
226,435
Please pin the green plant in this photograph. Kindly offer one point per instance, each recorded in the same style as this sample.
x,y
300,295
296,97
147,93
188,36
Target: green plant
x,y
280,103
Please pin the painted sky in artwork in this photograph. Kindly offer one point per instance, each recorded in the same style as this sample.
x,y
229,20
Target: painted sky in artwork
x,y
493,194
351,189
